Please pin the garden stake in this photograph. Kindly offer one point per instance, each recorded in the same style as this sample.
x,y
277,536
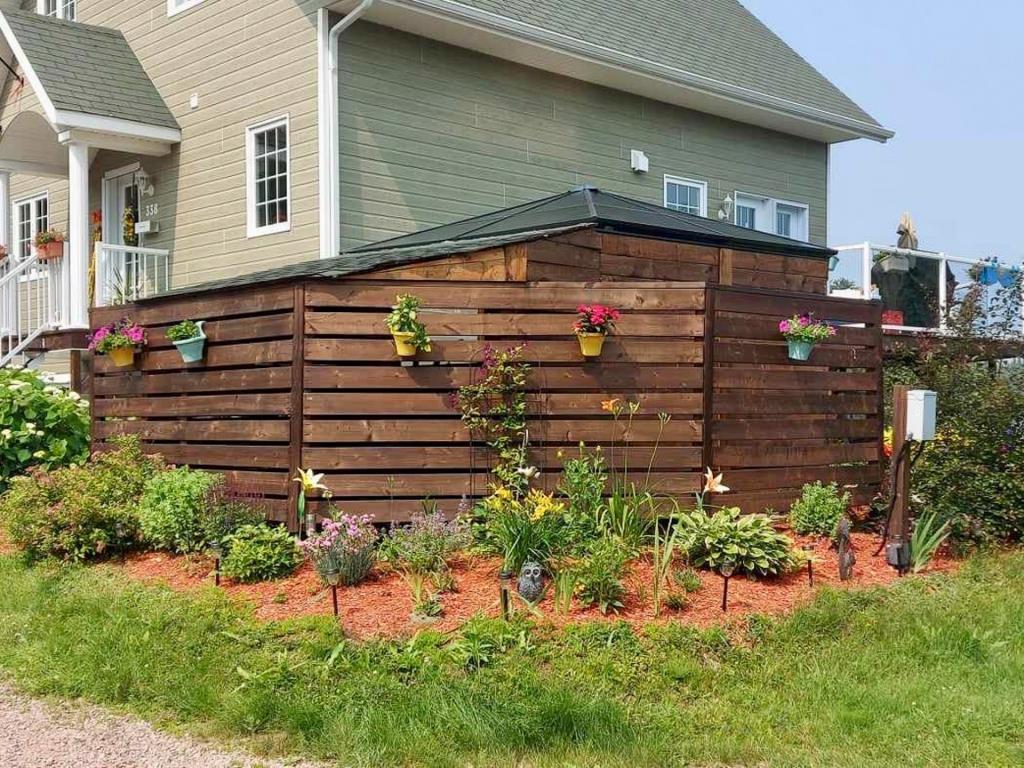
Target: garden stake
x,y
333,577
218,553
506,599
726,570
809,549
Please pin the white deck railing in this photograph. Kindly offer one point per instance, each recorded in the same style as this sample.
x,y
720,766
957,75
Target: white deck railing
x,y
127,273
32,301
918,288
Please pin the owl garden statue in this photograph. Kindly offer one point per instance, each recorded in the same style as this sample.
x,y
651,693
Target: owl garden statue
x,y
531,582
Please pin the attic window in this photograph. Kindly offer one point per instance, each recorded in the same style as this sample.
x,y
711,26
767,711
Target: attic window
x,y
686,195
58,9
178,6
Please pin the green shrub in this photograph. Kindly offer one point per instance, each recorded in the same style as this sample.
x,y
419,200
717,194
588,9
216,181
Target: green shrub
x,y
226,511
81,512
583,483
599,576
818,509
174,507
260,553
43,425
749,541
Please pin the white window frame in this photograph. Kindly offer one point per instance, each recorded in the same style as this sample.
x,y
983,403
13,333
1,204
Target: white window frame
x,y
32,201
60,9
769,207
701,186
174,7
252,229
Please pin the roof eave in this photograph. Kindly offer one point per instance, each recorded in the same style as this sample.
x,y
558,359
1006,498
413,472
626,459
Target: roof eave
x,y
507,38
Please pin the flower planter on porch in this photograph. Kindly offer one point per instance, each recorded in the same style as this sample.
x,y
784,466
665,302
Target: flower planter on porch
x,y
50,251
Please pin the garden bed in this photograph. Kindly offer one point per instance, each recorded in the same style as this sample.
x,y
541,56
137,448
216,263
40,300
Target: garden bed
x,y
382,606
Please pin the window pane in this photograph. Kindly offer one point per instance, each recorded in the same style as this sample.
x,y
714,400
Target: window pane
x,y
783,223
282,138
746,217
282,212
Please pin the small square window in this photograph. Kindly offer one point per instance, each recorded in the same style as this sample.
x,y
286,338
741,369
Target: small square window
x,y
268,182
686,195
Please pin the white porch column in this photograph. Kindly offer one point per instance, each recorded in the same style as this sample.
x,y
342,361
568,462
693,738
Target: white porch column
x,y
5,209
77,254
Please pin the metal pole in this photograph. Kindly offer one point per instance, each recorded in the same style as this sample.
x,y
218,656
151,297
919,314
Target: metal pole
x,y
899,523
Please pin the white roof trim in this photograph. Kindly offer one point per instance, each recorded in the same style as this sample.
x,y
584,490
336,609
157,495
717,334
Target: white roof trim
x,y
746,104
30,73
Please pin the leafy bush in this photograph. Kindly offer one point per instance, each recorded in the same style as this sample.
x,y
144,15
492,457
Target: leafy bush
x,y
749,541
599,575
174,507
260,553
347,545
818,509
583,483
521,528
81,512
225,511
425,545
43,425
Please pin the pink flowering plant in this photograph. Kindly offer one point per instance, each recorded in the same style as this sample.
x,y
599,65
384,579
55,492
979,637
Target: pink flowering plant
x,y
346,545
806,329
123,333
596,318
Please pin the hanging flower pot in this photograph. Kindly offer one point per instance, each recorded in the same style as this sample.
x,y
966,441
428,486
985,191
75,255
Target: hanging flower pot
x,y
189,338
119,341
49,245
802,333
409,334
593,324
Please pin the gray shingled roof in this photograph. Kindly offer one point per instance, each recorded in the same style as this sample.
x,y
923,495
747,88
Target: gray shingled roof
x,y
717,39
588,204
84,68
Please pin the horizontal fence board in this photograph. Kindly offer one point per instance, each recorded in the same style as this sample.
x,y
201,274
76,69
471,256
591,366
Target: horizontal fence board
x,y
252,301
781,306
195,405
214,431
758,327
741,480
732,351
794,402
196,381
768,455
222,331
239,355
807,380
226,456
781,499
614,378
795,429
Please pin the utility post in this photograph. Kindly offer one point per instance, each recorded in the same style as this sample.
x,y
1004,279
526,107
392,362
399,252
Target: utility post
x,y
898,535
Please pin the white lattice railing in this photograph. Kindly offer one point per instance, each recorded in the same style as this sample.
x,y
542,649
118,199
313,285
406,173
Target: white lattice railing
x,y
32,301
128,273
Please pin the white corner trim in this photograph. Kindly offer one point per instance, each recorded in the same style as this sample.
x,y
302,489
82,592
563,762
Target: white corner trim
x,y
30,74
251,229
682,180
174,8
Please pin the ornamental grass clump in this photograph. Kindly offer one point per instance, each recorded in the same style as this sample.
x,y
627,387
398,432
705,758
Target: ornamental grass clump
x,y
347,545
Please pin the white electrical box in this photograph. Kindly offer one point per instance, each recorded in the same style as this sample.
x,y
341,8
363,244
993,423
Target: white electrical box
x,y
921,415
638,161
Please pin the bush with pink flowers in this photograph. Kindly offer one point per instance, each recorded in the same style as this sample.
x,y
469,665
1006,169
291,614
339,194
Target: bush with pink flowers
x,y
117,335
346,545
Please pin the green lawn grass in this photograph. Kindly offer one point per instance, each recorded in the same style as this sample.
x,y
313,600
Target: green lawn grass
x,y
929,673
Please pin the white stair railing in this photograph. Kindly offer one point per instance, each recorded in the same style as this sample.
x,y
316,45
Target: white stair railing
x,y
127,273
32,302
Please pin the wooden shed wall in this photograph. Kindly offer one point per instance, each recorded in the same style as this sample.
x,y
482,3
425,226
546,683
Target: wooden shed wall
x,y
306,375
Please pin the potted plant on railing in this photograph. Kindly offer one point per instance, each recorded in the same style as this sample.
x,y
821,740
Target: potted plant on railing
x,y
120,341
189,338
845,288
593,324
802,332
49,244
409,333
892,262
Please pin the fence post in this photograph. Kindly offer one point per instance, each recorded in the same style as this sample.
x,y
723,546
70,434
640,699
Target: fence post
x,y
899,523
708,408
296,412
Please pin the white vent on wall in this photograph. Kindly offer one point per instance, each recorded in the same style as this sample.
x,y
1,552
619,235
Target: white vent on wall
x,y
638,161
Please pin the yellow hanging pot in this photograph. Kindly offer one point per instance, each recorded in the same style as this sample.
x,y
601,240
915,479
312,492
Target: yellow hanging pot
x,y
591,344
122,356
402,343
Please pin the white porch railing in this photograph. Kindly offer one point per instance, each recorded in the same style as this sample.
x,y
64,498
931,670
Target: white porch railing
x,y
127,273
33,300
917,288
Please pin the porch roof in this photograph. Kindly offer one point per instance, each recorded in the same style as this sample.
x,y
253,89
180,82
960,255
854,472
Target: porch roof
x,y
87,77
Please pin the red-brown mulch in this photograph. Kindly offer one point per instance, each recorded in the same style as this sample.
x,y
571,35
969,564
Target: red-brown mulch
x,y
382,606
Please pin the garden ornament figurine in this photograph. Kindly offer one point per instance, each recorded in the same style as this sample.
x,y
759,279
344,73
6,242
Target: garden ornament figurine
x,y
531,582
846,556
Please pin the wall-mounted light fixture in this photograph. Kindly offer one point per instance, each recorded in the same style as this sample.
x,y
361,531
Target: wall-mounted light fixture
x,y
725,209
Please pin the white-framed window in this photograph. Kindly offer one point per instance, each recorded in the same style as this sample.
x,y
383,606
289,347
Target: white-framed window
x,y
268,178
686,195
779,217
178,6
31,216
59,9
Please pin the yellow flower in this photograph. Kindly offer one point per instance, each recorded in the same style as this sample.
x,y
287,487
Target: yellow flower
x,y
610,405
309,481
713,482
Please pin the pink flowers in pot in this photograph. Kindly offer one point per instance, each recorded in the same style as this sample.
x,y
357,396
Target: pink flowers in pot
x,y
596,318
805,328
119,340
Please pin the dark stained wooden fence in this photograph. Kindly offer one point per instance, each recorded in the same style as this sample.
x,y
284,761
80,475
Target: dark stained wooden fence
x,y
306,375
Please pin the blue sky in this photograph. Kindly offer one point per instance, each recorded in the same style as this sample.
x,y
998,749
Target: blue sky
x,y
947,77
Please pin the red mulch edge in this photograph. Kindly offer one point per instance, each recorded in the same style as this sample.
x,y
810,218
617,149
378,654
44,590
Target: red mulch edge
x,y
382,606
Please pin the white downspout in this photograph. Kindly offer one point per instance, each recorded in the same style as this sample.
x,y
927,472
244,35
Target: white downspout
x,y
327,115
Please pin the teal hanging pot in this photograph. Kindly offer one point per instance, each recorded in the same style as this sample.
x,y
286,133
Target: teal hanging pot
x,y
800,350
192,349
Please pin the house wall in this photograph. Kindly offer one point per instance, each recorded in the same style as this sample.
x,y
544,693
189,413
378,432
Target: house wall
x,y
248,60
431,133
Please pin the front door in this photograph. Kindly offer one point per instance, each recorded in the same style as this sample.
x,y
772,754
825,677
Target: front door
x,y
120,195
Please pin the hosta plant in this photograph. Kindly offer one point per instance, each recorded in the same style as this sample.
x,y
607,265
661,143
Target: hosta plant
x,y
346,546
748,541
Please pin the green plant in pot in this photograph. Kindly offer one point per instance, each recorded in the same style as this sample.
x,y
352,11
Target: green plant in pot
x,y
190,339
409,333
802,332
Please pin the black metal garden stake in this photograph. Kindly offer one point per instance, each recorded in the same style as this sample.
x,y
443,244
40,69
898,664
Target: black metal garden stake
x,y
333,577
809,549
726,569
504,578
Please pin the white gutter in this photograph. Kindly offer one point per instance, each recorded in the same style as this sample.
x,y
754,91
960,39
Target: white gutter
x,y
328,43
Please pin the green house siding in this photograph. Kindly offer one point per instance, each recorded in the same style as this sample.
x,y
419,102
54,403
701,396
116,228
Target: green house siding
x,y
432,133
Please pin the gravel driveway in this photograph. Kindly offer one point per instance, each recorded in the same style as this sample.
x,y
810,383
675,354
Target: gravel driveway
x,y
34,734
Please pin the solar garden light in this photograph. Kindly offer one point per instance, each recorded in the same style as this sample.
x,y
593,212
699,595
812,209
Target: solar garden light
x,y
333,577
504,579
726,570
809,549
217,549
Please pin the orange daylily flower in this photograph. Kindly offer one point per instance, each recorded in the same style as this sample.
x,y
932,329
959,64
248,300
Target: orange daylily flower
x,y
713,482
609,405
